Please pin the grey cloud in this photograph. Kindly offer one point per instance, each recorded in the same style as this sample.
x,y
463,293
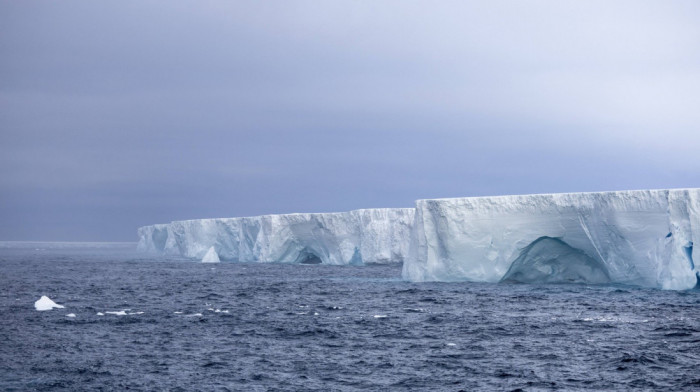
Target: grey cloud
x,y
115,115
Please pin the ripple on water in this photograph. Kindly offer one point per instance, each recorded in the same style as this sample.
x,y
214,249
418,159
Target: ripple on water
x,y
179,325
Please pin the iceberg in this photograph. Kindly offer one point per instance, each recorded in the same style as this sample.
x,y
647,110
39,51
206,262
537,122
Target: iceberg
x,y
641,238
353,237
46,303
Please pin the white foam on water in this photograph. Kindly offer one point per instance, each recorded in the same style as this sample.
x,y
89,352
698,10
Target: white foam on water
x,y
194,315
451,344
100,314
119,313
45,303
380,316
135,313
178,312
70,315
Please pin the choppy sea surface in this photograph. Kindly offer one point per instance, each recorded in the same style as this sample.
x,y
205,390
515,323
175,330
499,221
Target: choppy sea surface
x,y
183,325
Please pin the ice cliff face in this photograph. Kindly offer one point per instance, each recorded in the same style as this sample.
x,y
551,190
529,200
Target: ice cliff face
x,y
354,237
642,238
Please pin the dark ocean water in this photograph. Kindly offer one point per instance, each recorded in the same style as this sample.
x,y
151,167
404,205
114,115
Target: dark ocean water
x,y
259,327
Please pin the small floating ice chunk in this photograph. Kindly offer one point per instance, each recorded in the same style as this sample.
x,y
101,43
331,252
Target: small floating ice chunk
x,y
451,344
211,256
100,314
45,303
194,315
119,313
380,316
70,315
178,312
134,313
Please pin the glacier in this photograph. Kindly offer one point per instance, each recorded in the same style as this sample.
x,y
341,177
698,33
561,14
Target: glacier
x,y
353,237
641,238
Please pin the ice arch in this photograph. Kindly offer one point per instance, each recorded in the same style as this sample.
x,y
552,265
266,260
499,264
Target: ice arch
x,y
308,257
551,260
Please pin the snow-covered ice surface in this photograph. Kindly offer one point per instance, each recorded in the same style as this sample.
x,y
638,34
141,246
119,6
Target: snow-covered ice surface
x,y
46,303
642,238
353,237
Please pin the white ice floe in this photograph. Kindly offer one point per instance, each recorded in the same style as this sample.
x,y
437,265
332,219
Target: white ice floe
x,y
100,314
70,315
380,316
45,303
119,313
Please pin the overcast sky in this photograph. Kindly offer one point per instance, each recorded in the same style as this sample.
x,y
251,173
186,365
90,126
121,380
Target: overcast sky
x,y
119,114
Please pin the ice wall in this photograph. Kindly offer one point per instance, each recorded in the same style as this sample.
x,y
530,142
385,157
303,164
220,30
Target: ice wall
x,y
354,237
642,238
